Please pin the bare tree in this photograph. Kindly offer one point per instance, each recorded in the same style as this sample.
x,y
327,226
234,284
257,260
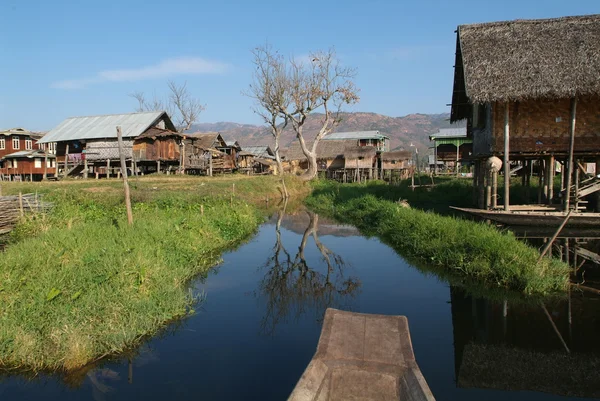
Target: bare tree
x,y
323,85
269,89
181,106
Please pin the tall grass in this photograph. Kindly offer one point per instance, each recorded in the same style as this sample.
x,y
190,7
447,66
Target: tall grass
x,y
451,246
79,283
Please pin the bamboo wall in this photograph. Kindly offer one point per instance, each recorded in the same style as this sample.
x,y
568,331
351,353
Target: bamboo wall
x,y
538,126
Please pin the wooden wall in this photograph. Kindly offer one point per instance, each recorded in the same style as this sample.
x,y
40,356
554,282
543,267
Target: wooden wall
x,y
543,126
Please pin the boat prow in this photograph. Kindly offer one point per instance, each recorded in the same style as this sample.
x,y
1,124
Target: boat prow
x,y
363,356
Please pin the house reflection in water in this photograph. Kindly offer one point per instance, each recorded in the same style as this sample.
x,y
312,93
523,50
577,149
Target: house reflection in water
x,y
505,346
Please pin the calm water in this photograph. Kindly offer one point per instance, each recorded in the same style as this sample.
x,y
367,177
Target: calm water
x,y
260,322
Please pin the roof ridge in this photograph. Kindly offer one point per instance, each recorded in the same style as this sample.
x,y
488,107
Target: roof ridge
x,y
117,114
532,20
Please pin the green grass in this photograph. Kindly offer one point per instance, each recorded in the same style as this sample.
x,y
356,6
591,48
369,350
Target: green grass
x,y
78,283
450,247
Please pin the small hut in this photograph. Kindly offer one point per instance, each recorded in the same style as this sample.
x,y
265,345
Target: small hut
x,y
221,160
397,162
257,160
360,163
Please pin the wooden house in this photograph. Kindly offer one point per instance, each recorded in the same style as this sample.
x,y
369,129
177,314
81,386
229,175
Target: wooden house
x,y
223,157
28,165
88,145
257,160
398,162
376,139
530,93
450,146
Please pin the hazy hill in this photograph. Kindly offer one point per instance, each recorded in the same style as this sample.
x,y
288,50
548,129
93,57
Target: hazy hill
x,y
413,128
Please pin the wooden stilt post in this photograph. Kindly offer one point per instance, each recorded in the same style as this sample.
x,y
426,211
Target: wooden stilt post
x,y
545,177
107,168
435,159
158,166
124,174
45,177
56,165
540,181
551,164
506,157
66,161
85,167
576,187
494,188
457,156
210,164
481,197
571,149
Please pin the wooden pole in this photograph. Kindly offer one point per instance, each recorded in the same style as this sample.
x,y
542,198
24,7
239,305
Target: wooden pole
x,y
506,158
576,185
549,243
210,163
494,189
550,180
85,166
456,165
66,161
21,204
124,174
107,168
435,159
45,165
56,165
571,147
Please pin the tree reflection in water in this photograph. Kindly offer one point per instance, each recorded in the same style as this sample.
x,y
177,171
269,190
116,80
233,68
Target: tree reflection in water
x,y
292,288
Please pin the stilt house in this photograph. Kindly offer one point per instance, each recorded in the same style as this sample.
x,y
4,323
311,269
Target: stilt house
x,y
450,145
21,157
530,92
223,156
88,145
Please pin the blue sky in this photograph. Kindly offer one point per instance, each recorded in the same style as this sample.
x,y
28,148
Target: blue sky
x,y
63,58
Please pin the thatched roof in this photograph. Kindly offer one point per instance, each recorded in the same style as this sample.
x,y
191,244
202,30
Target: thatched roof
x,y
397,155
329,149
526,59
355,152
153,133
206,140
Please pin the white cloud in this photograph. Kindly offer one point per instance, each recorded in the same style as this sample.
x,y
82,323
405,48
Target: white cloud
x,y
166,68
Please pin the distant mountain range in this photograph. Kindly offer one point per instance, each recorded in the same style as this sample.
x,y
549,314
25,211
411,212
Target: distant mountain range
x,y
413,128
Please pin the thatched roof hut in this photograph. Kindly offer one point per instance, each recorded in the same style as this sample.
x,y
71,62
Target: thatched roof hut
x,y
526,59
330,149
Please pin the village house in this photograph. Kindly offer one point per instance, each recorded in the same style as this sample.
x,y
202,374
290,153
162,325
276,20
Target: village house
x,y
21,158
257,160
223,156
88,145
450,146
530,93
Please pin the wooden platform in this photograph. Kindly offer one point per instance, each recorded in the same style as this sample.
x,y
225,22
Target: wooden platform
x,y
363,357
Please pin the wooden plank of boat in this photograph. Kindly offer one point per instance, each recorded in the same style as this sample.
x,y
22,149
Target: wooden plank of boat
x,y
524,218
362,356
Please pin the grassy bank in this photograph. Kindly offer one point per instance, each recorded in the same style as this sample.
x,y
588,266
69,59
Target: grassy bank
x,y
79,283
450,246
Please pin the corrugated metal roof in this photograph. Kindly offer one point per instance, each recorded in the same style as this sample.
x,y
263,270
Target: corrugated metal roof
x,y
450,132
28,153
259,151
98,127
356,135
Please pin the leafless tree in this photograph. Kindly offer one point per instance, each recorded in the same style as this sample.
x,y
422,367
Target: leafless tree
x,y
181,106
269,89
323,85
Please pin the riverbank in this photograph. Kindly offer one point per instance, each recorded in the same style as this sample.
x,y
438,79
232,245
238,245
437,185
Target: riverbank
x,y
451,246
78,283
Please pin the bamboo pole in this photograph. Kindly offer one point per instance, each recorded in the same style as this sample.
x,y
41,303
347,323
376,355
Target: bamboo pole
x,y
124,174
506,157
571,149
549,243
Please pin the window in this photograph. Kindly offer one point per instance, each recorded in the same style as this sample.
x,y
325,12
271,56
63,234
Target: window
x,y
41,146
50,163
16,144
37,162
28,144
2,143
52,148
14,163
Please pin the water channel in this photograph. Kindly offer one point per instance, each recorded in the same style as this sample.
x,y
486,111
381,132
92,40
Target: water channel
x,y
260,321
